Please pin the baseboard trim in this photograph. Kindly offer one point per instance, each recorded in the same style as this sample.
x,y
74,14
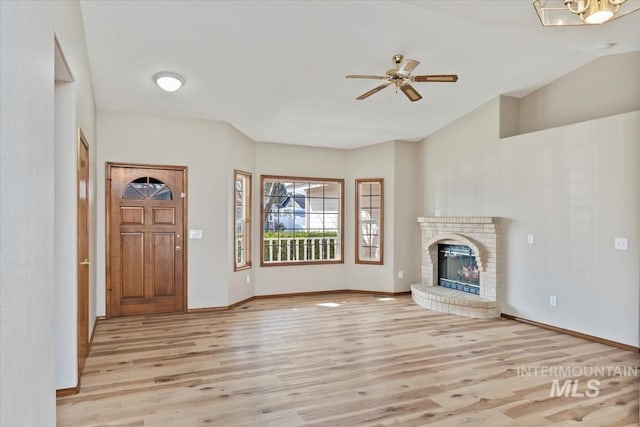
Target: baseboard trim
x,y
573,333
214,309
62,392
294,294
336,291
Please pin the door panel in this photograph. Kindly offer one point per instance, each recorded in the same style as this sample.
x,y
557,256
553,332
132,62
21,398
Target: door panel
x,y
164,216
131,215
163,262
132,267
82,208
146,229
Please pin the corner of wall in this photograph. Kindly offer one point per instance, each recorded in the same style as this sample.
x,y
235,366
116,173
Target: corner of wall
x,y
406,240
509,116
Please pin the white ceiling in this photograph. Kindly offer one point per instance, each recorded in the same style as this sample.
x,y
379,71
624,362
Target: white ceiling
x,y
275,69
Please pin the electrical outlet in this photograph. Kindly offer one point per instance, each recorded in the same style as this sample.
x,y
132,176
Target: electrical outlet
x,y
553,300
247,279
400,274
621,243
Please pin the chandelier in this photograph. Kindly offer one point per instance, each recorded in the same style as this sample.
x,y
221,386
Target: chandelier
x,y
582,12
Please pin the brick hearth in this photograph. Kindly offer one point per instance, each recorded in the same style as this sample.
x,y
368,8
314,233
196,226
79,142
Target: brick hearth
x,y
480,234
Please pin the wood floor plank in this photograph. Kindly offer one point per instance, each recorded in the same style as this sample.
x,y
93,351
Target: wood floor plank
x,y
365,361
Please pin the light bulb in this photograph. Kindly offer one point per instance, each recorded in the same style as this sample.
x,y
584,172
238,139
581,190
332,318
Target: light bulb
x,y
168,81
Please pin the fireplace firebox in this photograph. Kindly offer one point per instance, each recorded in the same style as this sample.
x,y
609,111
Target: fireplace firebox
x,y
458,268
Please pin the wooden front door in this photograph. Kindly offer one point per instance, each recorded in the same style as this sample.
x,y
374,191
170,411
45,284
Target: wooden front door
x,y
146,254
83,250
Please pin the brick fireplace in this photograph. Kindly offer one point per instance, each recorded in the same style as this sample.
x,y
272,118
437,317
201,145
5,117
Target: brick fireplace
x,y
477,239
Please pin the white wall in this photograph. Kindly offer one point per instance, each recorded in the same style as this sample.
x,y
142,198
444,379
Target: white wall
x,y
241,157
605,86
212,151
29,333
575,188
406,233
202,146
68,27
290,160
376,161
66,247
460,166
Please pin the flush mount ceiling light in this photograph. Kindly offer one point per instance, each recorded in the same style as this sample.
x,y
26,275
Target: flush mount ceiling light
x,y
168,81
582,12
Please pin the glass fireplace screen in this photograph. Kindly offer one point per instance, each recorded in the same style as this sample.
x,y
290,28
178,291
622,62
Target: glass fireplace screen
x,y
458,269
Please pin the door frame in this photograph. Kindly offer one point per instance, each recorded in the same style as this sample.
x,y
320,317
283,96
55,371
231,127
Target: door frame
x,y
83,338
185,249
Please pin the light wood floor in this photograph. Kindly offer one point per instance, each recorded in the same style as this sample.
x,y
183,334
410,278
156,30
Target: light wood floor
x,y
367,361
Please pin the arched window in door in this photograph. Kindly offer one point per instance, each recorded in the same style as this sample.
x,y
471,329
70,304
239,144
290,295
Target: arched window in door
x,y
147,187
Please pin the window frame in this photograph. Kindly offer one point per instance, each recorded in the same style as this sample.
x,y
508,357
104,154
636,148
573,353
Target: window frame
x,y
239,266
340,217
358,229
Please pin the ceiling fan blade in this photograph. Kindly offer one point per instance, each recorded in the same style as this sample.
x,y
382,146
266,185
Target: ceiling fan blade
x,y
446,78
408,66
411,93
364,76
372,91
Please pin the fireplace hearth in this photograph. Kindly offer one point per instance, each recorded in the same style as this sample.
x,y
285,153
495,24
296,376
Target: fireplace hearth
x,y
460,266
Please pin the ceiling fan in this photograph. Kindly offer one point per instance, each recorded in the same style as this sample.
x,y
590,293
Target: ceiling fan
x,y
400,76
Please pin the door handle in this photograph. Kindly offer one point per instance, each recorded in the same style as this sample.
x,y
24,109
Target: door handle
x,y
86,263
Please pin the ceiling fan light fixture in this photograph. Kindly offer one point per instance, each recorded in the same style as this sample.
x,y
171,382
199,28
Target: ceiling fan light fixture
x,y
400,76
168,81
582,12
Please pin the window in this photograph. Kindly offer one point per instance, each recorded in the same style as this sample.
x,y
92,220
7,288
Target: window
x,y
242,215
301,220
369,221
142,188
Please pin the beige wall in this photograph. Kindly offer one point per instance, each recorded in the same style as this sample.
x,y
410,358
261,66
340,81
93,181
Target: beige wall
x,y
37,331
241,156
376,161
575,188
606,86
290,160
406,241
74,108
211,150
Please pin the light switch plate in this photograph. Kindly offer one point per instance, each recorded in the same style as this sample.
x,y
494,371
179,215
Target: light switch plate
x,y
195,234
530,239
621,243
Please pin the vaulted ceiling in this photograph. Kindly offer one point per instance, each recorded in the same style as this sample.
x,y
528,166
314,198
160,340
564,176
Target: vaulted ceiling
x,y
276,69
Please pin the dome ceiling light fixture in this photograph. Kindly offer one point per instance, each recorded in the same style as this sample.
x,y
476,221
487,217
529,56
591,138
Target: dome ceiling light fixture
x,y
582,12
168,81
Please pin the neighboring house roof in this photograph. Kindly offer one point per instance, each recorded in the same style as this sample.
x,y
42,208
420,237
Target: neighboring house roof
x,y
298,199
